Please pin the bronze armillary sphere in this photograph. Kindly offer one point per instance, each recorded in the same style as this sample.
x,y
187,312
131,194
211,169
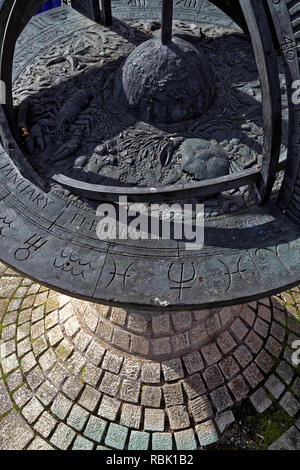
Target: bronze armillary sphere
x,y
109,99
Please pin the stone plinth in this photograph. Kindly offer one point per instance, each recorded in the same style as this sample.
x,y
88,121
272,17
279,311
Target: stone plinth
x,y
150,335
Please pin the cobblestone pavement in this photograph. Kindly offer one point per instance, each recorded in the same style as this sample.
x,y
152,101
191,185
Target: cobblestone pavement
x,y
168,382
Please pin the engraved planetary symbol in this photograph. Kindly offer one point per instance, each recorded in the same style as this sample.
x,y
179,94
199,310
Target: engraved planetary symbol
x,y
31,245
181,276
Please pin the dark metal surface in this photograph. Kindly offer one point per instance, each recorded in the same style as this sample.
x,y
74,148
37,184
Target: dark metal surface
x,y
106,15
89,8
51,236
286,26
167,18
258,27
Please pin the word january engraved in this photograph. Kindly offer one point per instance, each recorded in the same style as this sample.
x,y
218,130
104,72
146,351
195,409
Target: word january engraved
x,y
73,264
34,243
187,273
11,175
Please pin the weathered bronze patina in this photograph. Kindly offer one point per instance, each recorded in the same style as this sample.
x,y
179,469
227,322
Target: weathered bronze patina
x,y
110,99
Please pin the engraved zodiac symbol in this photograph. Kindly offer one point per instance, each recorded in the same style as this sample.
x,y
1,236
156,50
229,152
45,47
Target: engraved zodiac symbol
x,y
34,243
72,264
230,273
5,224
123,275
182,279
275,252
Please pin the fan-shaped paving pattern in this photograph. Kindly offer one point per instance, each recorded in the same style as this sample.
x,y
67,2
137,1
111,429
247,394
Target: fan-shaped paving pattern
x,y
64,386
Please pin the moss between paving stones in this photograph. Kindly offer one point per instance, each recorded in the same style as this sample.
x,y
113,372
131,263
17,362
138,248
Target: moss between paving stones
x,y
252,431
271,426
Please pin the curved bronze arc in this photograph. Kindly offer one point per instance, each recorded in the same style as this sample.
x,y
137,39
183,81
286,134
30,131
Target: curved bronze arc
x,y
14,16
289,196
100,10
95,10
262,41
200,189
233,9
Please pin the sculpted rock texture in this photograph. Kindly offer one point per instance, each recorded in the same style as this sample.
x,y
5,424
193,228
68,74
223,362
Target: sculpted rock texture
x,y
165,83
203,159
